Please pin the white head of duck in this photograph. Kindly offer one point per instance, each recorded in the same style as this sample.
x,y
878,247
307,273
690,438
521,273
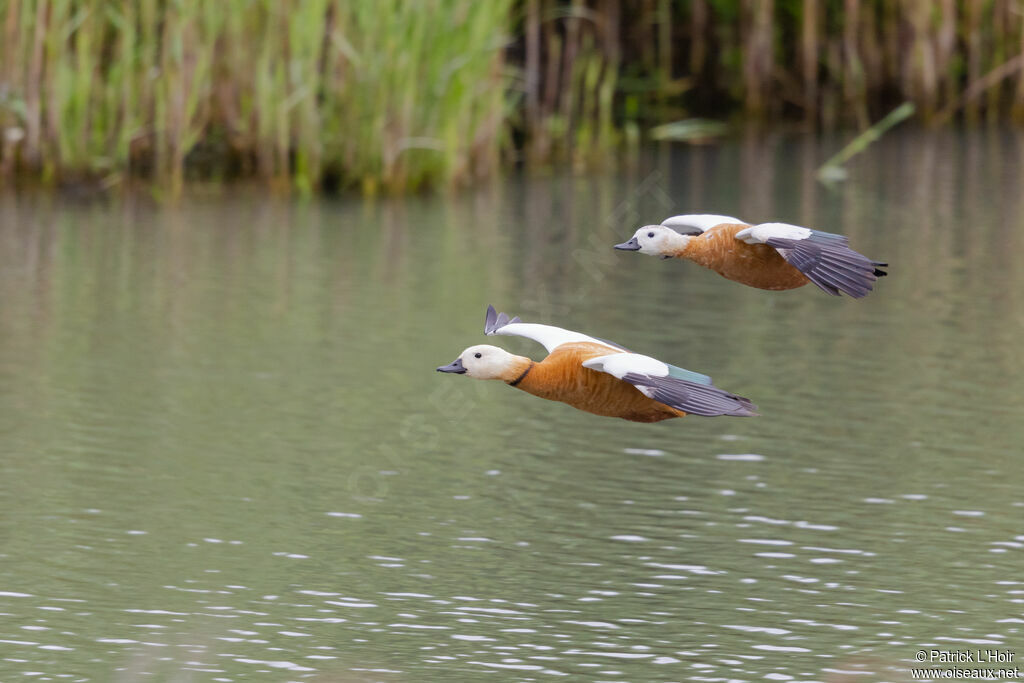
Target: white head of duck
x,y
482,361
672,236
656,240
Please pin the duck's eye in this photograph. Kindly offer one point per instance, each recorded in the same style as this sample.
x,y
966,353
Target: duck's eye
x,y
650,234
478,355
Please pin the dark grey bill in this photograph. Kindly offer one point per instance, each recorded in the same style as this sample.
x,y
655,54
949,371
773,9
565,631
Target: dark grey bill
x,y
455,366
631,245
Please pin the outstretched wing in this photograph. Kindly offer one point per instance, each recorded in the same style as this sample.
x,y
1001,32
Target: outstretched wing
x,y
697,223
826,259
549,336
684,390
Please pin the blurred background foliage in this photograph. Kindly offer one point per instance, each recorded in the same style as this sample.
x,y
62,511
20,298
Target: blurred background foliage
x,y
386,95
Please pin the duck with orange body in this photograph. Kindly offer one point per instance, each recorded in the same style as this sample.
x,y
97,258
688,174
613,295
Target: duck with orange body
x,y
596,376
767,256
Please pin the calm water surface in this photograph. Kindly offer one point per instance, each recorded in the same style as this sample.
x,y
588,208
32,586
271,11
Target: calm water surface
x,y
226,455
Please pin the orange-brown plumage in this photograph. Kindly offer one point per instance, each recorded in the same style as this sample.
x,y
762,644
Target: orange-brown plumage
x,y
754,265
562,377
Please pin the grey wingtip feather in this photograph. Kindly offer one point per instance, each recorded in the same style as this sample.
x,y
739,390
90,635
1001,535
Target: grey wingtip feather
x,y
831,264
693,398
748,408
491,317
495,321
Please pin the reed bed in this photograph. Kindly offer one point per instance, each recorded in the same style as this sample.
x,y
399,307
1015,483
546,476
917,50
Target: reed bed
x,y
826,62
381,94
393,95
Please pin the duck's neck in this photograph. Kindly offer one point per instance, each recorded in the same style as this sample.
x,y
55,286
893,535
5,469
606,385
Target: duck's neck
x,y
678,246
518,370
705,249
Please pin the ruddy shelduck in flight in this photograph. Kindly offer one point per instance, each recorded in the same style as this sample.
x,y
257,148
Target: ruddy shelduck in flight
x,y
767,256
596,376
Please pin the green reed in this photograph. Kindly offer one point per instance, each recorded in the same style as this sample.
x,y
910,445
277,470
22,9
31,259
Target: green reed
x,y
386,95
395,95
828,62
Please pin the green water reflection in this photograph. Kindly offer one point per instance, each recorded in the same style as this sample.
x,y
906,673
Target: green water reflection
x,y
226,456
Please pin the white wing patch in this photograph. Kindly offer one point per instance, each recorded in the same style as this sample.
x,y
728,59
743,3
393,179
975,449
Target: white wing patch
x,y
760,234
549,336
699,221
618,365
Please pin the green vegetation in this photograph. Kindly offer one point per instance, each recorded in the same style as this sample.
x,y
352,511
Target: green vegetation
x,y
396,95
298,92
833,170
